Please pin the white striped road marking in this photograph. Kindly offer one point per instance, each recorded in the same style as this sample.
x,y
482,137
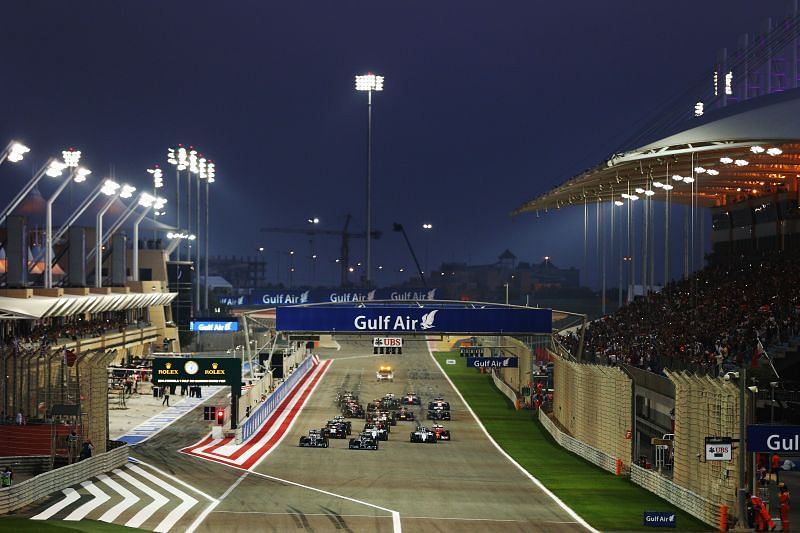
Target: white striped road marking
x,y
99,499
397,528
172,518
128,498
147,511
70,497
530,476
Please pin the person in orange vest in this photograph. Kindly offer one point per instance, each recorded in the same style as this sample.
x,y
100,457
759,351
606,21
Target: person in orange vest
x,y
763,519
775,463
783,499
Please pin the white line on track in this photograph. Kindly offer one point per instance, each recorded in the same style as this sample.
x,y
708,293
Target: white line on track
x,y
530,476
187,502
99,499
395,514
128,498
147,511
70,496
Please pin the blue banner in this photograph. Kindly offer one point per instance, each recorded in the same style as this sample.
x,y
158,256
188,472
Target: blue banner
x,y
780,439
659,519
313,296
215,326
416,319
492,362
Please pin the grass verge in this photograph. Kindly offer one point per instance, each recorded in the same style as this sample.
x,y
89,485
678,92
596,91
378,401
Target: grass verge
x,y
16,524
607,502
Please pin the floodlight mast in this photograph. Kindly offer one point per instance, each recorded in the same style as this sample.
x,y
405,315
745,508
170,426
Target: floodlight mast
x,y
52,168
14,152
148,204
78,175
369,82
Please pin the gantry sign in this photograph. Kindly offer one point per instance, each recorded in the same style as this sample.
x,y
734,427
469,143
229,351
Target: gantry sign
x,y
424,318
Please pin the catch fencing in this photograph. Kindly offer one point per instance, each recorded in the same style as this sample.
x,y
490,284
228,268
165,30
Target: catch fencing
x,y
593,455
681,497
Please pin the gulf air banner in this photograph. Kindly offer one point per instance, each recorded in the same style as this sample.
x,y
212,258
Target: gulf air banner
x,y
296,297
419,320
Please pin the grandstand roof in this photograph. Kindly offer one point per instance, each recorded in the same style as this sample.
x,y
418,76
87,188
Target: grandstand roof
x,y
48,306
759,132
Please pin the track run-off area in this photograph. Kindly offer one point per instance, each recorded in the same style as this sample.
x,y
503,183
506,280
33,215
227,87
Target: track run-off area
x,y
182,480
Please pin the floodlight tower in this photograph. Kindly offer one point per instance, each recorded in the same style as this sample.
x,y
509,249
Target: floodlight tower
x,y
147,201
113,190
14,152
369,82
53,168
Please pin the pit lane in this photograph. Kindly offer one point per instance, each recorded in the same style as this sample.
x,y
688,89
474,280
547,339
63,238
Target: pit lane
x,y
462,485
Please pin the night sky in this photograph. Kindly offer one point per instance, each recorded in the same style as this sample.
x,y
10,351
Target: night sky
x,y
486,105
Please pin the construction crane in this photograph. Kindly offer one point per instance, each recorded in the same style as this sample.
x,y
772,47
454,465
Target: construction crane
x,y
344,234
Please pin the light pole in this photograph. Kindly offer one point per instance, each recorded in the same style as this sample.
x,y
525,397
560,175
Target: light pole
x,y
81,208
51,168
111,189
14,152
427,227
178,157
369,82
506,286
211,173
147,202
78,174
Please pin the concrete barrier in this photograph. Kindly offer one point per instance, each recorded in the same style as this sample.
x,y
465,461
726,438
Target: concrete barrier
x,y
507,391
691,502
593,455
27,492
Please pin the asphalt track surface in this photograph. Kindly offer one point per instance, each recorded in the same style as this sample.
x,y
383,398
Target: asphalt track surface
x,y
461,485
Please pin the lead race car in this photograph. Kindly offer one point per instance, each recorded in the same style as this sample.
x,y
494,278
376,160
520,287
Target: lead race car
x,y
364,441
410,398
440,432
314,439
423,434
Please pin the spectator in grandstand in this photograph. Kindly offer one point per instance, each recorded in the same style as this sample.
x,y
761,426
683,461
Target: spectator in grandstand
x,y
7,477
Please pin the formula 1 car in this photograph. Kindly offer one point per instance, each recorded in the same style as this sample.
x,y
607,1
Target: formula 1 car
x,y
363,442
345,397
352,410
314,439
385,373
389,402
438,403
377,431
423,434
437,414
440,432
410,398
335,430
404,414
339,419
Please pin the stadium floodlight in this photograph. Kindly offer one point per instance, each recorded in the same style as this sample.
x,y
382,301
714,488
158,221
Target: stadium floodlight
x,y
677,177
113,190
626,195
158,176
313,220
127,191
649,192
757,149
78,175
14,152
211,171
193,168
71,157
110,187
741,162
712,172
699,170
726,160
688,179
427,226
369,83
668,187
639,190
632,197
618,203
774,151
657,184
52,168
147,201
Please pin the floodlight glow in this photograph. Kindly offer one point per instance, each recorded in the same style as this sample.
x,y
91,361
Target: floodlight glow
x,y
657,184
369,82
668,187
677,177
618,203
202,167
688,179
633,197
649,192
741,162
159,204
729,83
109,187
698,109
699,170
55,169
726,160
774,151
626,195
80,174
127,191
71,157
211,171
17,152
712,172
757,149
639,190
146,200
193,168
192,237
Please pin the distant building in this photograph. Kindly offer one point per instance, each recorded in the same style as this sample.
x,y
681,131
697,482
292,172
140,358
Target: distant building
x,y
459,281
243,273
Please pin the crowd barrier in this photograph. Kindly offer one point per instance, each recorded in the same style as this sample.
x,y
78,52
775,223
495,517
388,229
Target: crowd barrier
x,y
692,503
505,388
260,415
27,492
593,455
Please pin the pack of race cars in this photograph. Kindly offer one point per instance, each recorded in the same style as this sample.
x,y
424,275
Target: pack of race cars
x,y
379,416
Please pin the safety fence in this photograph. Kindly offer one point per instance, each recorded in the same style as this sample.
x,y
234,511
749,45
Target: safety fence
x,y
503,387
260,415
593,455
27,492
684,499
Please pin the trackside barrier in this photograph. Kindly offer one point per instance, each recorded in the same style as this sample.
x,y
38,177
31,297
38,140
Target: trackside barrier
x,y
27,492
505,388
257,418
694,504
593,455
